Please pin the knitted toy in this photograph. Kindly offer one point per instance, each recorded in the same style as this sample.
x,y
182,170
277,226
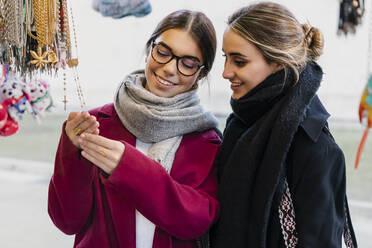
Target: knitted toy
x,y
7,125
365,115
122,8
40,98
13,95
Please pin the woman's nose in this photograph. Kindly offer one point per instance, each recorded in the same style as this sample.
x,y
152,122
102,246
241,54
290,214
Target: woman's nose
x,y
227,72
170,68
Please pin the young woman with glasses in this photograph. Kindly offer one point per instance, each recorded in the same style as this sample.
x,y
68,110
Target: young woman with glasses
x,y
138,173
281,174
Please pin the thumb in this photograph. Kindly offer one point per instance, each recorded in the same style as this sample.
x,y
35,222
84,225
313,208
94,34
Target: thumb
x,y
72,115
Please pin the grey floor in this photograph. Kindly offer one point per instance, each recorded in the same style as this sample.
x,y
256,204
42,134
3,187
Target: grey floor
x,y
25,221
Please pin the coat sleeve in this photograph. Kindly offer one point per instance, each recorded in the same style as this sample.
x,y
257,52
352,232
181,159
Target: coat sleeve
x,y
318,186
70,196
185,210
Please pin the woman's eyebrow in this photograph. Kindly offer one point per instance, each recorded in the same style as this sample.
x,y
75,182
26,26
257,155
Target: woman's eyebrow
x,y
170,49
164,44
235,54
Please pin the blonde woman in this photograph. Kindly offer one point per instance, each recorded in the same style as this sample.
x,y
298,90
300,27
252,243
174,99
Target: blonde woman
x,y
281,174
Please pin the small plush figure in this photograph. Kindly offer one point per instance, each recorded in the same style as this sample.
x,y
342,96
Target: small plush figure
x,y
40,98
13,92
7,125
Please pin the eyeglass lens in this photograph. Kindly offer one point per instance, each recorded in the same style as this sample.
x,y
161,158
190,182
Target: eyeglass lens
x,y
186,65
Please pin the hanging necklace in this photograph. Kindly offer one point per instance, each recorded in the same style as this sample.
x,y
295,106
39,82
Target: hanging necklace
x,y
74,62
14,33
44,19
64,43
2,30
13,23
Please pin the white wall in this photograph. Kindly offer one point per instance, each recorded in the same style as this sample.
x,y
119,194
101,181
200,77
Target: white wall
x,y
109,49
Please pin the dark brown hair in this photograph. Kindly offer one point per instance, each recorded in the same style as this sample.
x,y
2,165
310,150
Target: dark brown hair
x,y
277,34
200,28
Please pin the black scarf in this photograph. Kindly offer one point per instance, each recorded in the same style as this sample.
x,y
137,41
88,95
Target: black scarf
x,y
256,141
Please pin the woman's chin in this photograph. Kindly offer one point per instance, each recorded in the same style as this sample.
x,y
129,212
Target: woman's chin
x,y
158,92
236,96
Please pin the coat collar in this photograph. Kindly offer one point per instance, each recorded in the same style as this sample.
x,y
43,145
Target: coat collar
x,y
111,126
315,119
107,110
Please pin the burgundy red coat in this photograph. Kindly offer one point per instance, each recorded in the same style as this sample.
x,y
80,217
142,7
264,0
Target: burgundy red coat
x,y
100,209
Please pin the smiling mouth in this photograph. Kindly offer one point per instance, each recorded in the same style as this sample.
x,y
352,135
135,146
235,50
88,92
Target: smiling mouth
x,y
236,84
164,82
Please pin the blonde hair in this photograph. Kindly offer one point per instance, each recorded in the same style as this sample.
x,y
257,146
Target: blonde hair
x,y
277,34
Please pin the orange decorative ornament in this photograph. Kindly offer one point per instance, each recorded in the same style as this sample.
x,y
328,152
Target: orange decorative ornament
x,y
365,116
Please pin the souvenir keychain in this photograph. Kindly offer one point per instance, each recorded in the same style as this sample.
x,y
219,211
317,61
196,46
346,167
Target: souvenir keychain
x,y
351,13
365,116
365,106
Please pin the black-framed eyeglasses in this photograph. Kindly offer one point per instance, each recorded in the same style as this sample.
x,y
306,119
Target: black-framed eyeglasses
x,y
186,65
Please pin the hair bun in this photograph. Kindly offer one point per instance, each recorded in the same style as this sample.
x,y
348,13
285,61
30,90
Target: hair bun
x,y
313,40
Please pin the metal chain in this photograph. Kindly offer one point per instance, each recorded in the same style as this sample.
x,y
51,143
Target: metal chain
x,y
75,68
13,23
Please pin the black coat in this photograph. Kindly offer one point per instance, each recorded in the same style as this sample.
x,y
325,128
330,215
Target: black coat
x,y
278,132
316,178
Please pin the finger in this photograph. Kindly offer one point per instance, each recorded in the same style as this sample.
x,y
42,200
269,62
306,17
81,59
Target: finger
x,y
89,122
98,160
77,126
79,118
93,147
94,160
72,115
93,129
112,157
100,140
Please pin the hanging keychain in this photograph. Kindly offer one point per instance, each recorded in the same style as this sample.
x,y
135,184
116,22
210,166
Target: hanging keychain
x,y
365,106
351,13
121,8
365,116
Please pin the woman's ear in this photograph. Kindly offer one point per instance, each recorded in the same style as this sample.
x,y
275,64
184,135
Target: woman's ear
x,y
195,85
276,67
201,75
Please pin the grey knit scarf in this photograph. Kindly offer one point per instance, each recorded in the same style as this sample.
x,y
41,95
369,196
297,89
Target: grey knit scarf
x,y
159,120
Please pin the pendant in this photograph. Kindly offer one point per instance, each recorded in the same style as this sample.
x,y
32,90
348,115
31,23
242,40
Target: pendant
x,y
40,59
72,62
43,58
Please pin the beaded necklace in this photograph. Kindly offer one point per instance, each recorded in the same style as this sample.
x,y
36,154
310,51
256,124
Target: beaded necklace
x,y
74,62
